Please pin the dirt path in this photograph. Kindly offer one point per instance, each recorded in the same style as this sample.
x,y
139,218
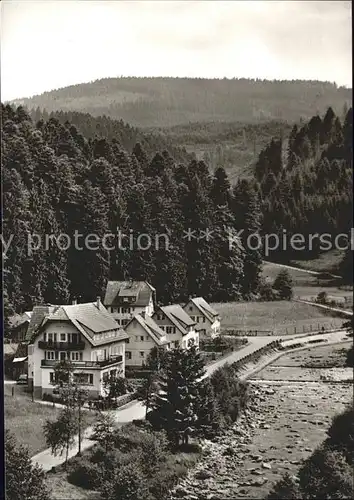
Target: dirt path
x,y
315,273
329,308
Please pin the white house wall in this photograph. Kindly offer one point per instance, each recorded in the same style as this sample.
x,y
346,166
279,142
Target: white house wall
x,y
41,375
203,323
136,346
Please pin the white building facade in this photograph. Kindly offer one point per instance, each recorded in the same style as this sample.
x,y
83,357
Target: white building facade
x,y
206,318
124,299
84,334
178,326
144,334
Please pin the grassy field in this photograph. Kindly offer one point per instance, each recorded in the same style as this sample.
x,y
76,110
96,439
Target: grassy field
x,y
25,418
328,261
307,286
280,316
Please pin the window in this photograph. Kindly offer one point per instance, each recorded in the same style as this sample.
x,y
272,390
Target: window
x,y
136,338
52,378
125,322
142,354
127,341
170,329
126,310
160,317
142,338
191,308
62,337
76,356
203,319
176,344
51,355
83,378
125,299
128,354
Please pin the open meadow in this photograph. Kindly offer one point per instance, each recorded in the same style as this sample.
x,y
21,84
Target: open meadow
x,y
307,286
282,317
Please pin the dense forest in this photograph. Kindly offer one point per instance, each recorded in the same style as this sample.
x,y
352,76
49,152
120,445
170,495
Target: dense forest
x,y
55,181
307,187
127,135
163,102
89,178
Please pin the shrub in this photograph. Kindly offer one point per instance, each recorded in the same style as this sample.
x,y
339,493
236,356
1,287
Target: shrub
x,y
266,293
322,298
23,480
127,483
231,394
350,357
285,489
283,284
85,473
153,448
326,474
341,433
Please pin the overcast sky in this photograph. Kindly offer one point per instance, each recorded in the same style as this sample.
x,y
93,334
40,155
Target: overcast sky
x,y
52,44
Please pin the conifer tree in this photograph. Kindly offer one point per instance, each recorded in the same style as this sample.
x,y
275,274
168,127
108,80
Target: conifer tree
x,y
175,404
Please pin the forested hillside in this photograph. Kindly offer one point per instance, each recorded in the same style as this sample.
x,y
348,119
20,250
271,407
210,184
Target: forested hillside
x,y
57,182
102,126
234,146
161,102
307,188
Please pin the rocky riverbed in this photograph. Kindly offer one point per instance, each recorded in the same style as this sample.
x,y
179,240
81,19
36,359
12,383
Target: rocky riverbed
x,y
285,422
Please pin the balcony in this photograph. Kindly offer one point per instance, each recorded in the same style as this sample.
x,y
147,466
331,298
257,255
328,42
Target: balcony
x,y
85,364
61,346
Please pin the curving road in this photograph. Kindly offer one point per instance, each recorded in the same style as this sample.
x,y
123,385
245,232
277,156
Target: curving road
x,y
136,411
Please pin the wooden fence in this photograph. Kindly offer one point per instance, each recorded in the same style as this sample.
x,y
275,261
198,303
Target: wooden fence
x,y
293,330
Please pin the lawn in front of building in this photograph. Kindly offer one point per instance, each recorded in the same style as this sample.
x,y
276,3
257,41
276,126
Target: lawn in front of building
x,y
25,419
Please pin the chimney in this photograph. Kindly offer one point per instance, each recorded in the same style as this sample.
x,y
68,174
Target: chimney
x,y
98,302
74,302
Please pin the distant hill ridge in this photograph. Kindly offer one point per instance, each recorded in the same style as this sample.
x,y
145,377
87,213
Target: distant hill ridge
x,y
165,102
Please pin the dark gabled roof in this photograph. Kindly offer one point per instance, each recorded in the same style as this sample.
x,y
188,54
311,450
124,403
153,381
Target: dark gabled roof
x,y
204,308
152,328
178,317
116,290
